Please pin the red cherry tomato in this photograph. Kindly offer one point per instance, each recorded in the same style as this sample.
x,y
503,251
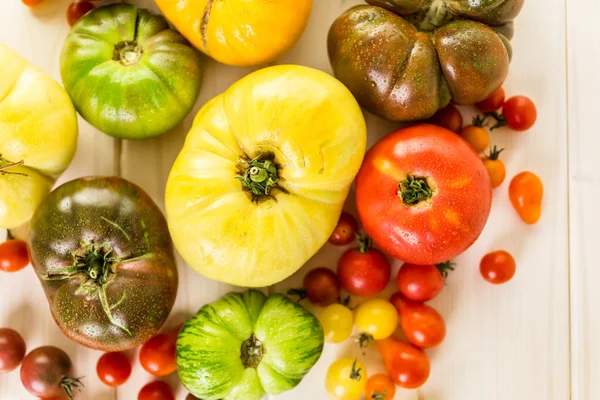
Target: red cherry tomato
x,y
12,350
407,366
492,103
448,117
423,195
77,10
156,390
113,368
526,192
498,267
13,255
520,113
345,231
158,355
364,271
421,283
422,325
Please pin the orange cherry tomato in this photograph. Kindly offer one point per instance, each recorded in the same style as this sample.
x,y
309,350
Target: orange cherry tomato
x,y
492,103
476,135
407,365
498,267
13,255
449,117
77,10
422,325
495,167
526,192
31,3
380,387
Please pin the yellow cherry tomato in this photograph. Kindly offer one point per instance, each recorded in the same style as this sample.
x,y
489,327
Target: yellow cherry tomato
x,y
377,318
495,167
239,32
336,320
476,135
346,379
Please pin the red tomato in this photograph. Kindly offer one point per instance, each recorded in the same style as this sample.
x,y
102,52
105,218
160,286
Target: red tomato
x,y
321,286
364,271
498,267
423,195
345,231
407,366
448,117
113,368
158,355
13,255
31,3
520,113
77,10
380,387
422,283
526,192
422,325
492,103
156,390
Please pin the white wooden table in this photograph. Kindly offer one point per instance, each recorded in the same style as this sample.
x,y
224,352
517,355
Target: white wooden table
x,y
535,338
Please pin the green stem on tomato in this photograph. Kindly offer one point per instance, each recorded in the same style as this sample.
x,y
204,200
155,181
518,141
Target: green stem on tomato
x,y
69,385
494,153
259,176
365,243
445,268
414,190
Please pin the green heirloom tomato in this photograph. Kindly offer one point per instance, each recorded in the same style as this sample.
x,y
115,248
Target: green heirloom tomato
x,y
405,59
245,345
102,251
128,74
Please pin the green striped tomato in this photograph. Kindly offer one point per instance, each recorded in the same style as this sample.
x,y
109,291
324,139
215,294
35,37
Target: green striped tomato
x,y
245,345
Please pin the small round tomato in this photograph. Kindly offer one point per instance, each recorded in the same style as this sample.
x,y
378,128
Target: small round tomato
x,y
346,379
380,387
321,287
13,255
421,283
364,271
375,319
345,231
422,325
407,366
77,10
336,320
495,167
423,194
156,390
498,267
526,192
113,368
31,3
476,135
520,113
45,372
448,117
492,103
158,355
12,350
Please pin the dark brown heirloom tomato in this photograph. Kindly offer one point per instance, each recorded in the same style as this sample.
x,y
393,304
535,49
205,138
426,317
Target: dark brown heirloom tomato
x,y
405,59
102,251
46,371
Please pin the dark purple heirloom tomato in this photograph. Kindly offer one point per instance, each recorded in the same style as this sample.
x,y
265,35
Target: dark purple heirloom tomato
x,y
46,373
102,251
12,349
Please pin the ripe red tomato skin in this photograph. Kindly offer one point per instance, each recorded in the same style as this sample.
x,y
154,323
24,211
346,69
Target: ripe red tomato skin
x,y
78,9
422,325
493,102
420,283
158,355
364,274
13,255
520,113
441,229
407,365
113,369
157,390
345,230
322,287
498,267
12,350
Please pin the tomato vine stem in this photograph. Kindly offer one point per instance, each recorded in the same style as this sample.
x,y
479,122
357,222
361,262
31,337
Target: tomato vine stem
x,y
6,165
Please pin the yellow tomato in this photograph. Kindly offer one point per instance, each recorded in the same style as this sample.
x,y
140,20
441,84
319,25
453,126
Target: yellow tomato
x,y
377,318
261,180
346,379
38,136
239,32
336,321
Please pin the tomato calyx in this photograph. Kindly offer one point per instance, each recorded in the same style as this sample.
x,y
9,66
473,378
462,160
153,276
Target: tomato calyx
x,y
6,165
128,52
355,372
365,243
301,293
414,190
363,340
445,268
252,352
259,176
69,385
479,121
500,119
95,265
494,153
379,395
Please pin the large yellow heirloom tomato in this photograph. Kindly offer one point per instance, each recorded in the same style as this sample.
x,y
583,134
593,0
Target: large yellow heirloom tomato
x,y
38,136
261,180
239,32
